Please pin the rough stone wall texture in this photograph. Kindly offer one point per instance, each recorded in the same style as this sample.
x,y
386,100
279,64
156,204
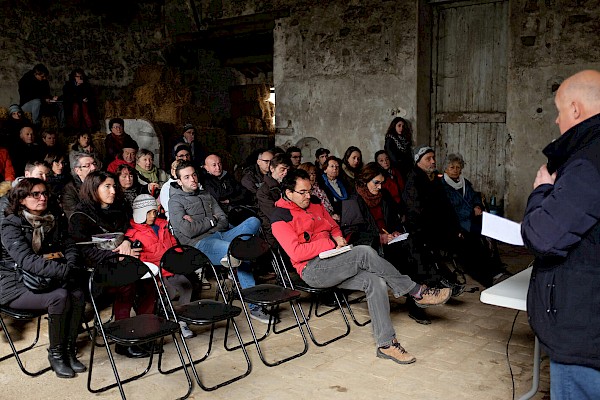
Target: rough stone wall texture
x,y
342,70
550,40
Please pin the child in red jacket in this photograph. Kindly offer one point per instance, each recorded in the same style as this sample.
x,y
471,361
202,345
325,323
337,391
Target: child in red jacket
x,y
156,239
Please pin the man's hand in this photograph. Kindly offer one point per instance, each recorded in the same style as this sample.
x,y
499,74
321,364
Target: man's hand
x,y
188,218
543,177
125,248
340,241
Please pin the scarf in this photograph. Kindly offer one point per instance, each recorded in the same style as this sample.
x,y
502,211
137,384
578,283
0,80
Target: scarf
x,y
340,194
372,200
149,176
320,194
42,224
401,142
456,185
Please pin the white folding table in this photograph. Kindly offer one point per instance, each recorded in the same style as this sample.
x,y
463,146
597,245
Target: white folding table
x,y
512,293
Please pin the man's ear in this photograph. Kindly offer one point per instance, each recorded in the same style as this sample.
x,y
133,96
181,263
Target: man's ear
x,y
575,109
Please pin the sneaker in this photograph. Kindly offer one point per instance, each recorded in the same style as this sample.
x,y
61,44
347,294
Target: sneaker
x,y
186,332
259,315
396,353
501,277
419,316
234,262
432,297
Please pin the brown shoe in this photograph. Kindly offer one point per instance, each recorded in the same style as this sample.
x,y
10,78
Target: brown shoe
x,y
433,297
396,353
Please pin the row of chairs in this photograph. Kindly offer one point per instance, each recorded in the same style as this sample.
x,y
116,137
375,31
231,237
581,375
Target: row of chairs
x,y
151,330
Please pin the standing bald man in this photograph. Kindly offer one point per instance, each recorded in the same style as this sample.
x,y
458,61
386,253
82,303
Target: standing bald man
x,y
562,228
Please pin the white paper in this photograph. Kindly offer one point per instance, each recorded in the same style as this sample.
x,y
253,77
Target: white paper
x,y
399,238
334,252
501,229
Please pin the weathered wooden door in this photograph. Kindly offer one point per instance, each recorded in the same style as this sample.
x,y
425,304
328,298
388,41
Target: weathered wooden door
x,y
469,89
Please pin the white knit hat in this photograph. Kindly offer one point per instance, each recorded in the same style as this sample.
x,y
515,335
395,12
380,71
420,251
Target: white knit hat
x,y
141,205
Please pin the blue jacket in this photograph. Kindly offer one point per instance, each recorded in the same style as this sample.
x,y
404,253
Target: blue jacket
x,y
561,226
463,205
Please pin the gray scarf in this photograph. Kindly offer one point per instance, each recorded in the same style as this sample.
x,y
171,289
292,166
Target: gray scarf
x,y
456,185
42,224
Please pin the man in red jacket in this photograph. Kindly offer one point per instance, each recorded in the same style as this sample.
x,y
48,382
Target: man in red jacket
x,y
304,229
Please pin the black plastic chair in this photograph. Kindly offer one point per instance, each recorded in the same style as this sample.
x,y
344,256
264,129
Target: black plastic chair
x,y
117,271
249,248
295,282
22,315
182,259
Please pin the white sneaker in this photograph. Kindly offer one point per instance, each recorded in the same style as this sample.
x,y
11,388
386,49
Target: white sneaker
x,y
186,332
259,315
234,262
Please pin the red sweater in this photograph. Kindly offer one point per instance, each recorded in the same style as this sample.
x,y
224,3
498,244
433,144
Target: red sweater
x,y
303,233
6,167
153,247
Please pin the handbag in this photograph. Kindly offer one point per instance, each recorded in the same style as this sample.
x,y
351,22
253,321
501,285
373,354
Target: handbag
x,y
107,240
37,284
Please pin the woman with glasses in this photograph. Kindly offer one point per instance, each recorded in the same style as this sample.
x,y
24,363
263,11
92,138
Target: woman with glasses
x,y
59,173
101,211
384,218
35,240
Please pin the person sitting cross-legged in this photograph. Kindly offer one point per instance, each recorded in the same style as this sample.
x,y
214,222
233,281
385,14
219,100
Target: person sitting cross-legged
x,y
198,220
304,229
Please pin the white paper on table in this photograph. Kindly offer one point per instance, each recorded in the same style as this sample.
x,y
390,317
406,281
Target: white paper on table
x,y
399,238
501,229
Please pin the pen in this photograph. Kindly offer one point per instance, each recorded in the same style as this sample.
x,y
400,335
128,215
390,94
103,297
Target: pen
x,y
384,231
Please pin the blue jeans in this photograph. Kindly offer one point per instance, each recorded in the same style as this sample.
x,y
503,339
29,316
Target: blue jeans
x,y
573,382
363,269
35,108
215,247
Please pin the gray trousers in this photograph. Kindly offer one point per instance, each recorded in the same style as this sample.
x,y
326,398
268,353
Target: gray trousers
x,y
363,269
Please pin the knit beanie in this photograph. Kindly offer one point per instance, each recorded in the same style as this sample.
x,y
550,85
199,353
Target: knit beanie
x,y
13,108
141,205
187,127
129,143
421,151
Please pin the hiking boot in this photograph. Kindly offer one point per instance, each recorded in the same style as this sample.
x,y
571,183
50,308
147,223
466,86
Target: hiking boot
x,y
396,353
427,297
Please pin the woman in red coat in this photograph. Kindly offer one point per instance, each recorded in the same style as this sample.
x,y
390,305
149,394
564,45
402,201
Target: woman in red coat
x,y
156,239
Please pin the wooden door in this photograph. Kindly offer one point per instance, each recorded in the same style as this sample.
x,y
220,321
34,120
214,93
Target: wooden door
x,y
469,74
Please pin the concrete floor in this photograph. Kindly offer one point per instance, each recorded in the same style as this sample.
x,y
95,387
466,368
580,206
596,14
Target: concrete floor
x,y
461,355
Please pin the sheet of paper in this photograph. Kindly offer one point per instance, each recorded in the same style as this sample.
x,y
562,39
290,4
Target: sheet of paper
x,y
501,229
400,238
334,252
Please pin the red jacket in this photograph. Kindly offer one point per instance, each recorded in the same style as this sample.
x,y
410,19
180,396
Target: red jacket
x,y
394,185
6,167
303,233
112,167
153,247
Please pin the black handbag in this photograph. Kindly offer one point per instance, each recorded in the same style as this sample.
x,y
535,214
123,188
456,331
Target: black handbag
x,y
37,284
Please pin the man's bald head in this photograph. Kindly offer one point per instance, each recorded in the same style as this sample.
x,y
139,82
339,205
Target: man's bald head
x,y
577,99
212,165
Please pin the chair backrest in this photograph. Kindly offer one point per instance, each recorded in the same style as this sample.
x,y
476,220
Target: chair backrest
x,y
118,270
248,247
182,259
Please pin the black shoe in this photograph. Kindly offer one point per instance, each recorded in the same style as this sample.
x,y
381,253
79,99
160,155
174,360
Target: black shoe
x,y
419,315
147,347
131,351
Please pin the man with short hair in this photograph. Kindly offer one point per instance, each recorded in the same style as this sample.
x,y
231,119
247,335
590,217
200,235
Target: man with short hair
x,y
221,185
270,191
127,156
321,155
561,227
81,165
35,97
198,220
48,142
295,155
24,149
37,169
305,229
254,175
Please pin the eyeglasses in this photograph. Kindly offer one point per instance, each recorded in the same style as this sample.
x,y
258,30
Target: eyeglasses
x,y
37,195
376,182
302,192
266,161
95,164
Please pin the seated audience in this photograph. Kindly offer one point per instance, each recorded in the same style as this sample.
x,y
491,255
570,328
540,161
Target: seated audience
x,y
182,152
49,143
36,241
270,192
333,185
222,186
100,211
35,97
305,229
394,183
188,137
59,175
351,164
84,144
127,156
254,175
7,172
165,193
15,121
148,173
156,239
24,149
198,220
116,140
79,101
129,186
473,250
295,155
81,165
321,156
317,191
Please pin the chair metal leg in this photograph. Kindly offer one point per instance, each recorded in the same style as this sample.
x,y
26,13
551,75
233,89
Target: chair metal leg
x,y
15,352
347,304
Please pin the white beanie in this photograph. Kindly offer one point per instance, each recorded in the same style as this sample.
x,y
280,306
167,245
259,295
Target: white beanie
x,y
141,205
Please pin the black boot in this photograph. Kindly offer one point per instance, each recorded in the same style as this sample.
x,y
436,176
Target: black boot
x,y
72,330
417,313
56,332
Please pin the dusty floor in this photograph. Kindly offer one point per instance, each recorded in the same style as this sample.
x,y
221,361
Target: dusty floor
x,y
461,355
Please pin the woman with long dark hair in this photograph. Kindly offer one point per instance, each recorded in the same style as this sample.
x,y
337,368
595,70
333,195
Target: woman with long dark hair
x,y
394,183
102,211
35,243
398,144
352,164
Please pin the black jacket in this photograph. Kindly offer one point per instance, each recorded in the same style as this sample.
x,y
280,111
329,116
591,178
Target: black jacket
x,y
30,88
224,188
17,234
562,227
